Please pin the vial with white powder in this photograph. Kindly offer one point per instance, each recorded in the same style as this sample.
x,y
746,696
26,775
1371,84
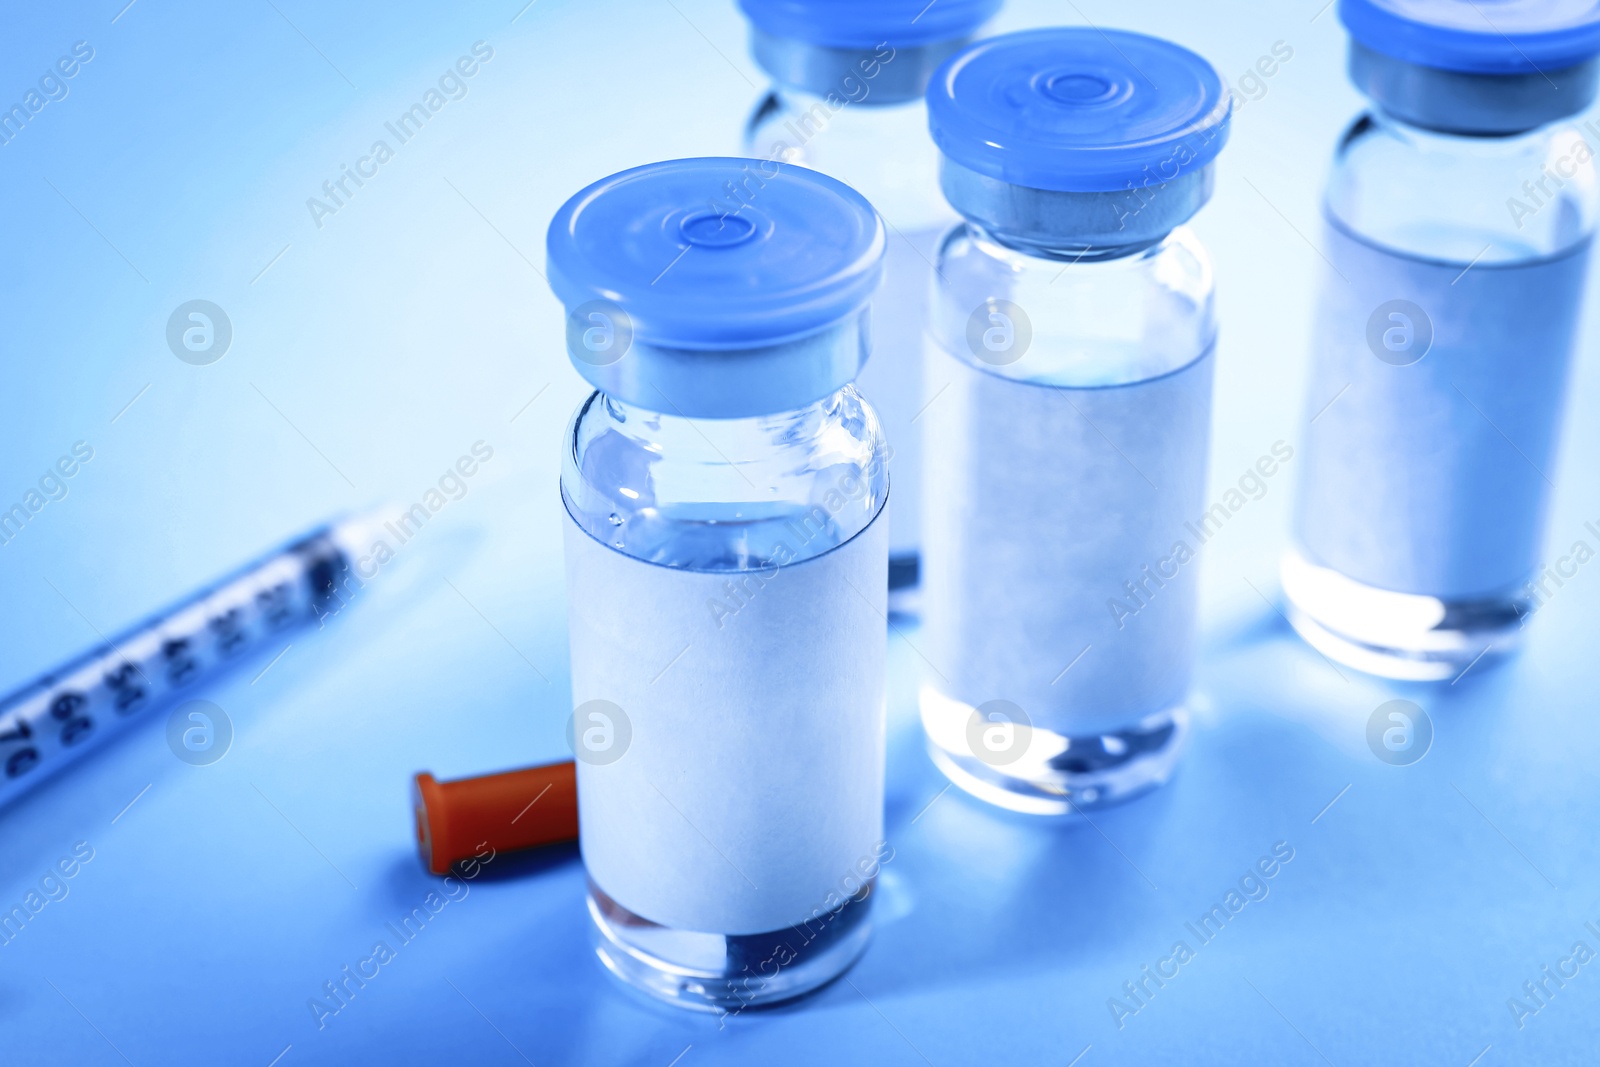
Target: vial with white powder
x,y
726,557
1071,365
1459,216
847,99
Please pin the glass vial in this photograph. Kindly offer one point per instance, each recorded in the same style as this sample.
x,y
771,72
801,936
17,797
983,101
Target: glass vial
x,y
1459,216
1071,358
847,99
726,557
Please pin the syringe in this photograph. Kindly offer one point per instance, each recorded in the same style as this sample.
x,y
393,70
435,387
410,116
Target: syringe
x,y
79,706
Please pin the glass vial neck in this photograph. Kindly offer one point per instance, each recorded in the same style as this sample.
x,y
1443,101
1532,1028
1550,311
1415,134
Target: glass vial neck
x,y
1462,198
1058,250
724,494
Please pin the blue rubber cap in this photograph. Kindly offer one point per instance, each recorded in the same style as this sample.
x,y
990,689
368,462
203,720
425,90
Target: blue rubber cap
x,y
1078,109
1481,36
867,23
718,253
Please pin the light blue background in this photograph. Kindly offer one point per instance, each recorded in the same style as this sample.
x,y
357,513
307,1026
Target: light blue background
x,y
415,322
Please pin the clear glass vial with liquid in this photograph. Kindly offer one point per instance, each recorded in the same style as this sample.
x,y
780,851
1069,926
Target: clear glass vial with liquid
x,y
1459,216
726,557
1071,361
847,99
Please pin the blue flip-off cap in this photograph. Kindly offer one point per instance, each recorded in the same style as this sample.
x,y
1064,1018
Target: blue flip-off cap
x,y
1480,36
868,23
741,285
1078,110
718,253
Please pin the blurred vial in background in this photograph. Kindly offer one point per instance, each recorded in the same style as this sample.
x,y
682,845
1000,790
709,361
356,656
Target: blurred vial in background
x,y
726,562
1066,443
1458,222
847,100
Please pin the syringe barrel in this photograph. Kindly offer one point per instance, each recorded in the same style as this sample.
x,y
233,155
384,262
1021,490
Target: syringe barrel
x,y
51,722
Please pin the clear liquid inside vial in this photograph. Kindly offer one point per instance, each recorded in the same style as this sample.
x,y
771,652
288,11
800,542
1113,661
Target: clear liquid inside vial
x,y
1066,451
764,522
1440,359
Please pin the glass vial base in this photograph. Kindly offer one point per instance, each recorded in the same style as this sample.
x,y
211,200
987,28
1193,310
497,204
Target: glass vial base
x,y
1042,772
1397,635
726,973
